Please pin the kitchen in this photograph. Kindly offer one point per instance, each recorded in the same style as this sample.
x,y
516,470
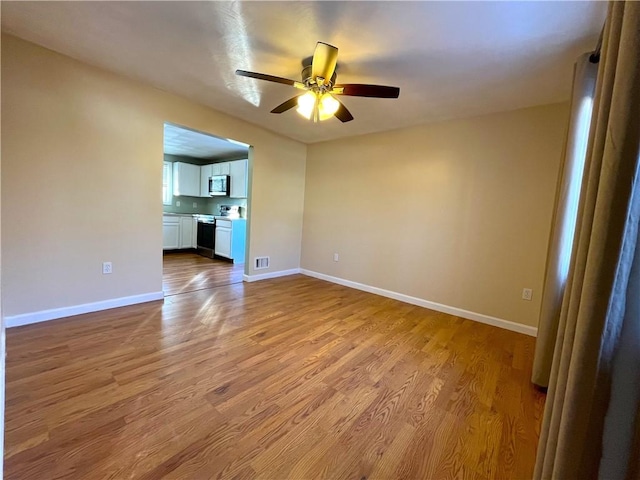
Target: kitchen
x,y
204,226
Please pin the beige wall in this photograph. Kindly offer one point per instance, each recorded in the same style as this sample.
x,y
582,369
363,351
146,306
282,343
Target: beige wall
x,y
81,181
456,213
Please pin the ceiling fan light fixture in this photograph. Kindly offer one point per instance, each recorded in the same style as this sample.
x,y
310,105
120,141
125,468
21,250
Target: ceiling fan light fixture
x,y
307,104
327,106
317,106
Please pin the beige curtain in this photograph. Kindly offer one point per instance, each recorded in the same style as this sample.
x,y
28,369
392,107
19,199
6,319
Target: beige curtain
x,y
600,294
564,221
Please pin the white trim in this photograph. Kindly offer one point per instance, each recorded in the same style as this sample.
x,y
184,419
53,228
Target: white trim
x,y
54,313
265,276
458,312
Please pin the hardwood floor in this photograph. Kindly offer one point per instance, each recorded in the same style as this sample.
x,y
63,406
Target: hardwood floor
x,y
285,378
186,272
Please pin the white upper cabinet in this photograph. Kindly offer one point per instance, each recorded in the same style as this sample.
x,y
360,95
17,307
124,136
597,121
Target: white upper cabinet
x,y
167,191
236,169
186,179
238,172
205,173
220,168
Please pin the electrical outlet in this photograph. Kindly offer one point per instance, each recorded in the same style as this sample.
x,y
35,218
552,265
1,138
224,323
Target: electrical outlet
x,y
195,204
527,293
177,203
336,257
107,268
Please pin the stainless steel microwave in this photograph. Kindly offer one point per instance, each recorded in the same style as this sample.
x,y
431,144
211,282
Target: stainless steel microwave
x,y
219,185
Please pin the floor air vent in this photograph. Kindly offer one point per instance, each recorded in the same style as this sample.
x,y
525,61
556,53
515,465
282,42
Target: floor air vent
x,y
261,263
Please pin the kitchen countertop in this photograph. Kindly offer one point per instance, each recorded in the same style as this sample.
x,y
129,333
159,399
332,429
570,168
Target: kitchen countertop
x,y
216,217
171,214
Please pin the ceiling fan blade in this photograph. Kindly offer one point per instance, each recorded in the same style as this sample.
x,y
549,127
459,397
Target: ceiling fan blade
x,y
270,78
364,90
325,58
284,106
343,114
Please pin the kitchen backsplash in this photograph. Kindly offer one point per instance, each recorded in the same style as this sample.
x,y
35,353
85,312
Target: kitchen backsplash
x,y
227,201
209,206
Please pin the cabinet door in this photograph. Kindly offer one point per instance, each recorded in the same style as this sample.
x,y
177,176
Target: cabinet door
x,y
238,172
220,168
170,235
205,173
224,168
167,190
186,179
186,232
192,180
223,242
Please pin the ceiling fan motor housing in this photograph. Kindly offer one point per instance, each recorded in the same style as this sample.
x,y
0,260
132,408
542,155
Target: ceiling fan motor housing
x,y
311,82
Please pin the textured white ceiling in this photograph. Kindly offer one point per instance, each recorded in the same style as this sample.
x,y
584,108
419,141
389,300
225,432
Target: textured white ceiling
x,y
183,141
450,59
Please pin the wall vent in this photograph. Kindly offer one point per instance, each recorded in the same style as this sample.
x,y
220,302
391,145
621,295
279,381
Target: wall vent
x,y
261,263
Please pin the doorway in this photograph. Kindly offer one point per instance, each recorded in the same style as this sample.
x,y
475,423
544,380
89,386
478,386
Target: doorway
x,y
205,188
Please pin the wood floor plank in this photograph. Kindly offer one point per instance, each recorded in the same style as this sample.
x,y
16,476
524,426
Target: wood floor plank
x,y
286,378
186,272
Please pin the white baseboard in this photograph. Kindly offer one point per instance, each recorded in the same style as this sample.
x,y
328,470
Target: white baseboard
x,y
55,313
265,276
458,312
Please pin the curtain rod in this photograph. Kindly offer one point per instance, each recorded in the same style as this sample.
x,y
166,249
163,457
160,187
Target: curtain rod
x,y
595,55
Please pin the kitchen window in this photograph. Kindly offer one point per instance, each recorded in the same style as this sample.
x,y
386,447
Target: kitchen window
x,y
167,171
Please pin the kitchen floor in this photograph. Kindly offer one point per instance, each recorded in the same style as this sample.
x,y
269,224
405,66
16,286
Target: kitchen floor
x,y
187,272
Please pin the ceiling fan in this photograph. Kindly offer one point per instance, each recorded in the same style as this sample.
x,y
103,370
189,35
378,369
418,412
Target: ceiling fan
x,y
318,80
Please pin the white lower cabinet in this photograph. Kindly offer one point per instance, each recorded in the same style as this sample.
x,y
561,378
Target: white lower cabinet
x,y
194,237
223,241
170,232
178,232
231,239
186,232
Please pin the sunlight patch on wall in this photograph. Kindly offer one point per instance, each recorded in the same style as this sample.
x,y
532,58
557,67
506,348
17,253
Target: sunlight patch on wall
x,y
237,52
